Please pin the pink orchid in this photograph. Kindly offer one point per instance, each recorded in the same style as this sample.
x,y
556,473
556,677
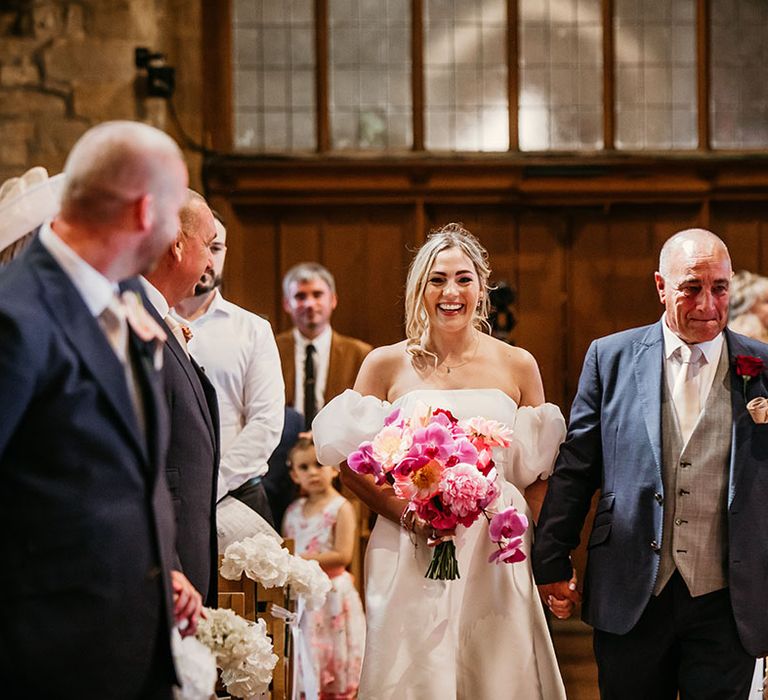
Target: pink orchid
x,y
432,442
509,523
362,461
509,553
395,418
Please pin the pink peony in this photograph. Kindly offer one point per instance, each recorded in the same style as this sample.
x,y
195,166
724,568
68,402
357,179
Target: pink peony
x,y
390,445
465,492
433,512
507,524
421,482
485,433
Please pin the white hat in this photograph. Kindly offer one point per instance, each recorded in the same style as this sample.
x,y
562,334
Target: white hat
x,y
26,202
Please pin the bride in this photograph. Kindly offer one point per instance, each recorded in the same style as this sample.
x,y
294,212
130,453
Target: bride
x,y
484,635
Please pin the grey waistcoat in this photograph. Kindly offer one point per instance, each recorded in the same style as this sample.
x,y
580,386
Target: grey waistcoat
x,y
695,477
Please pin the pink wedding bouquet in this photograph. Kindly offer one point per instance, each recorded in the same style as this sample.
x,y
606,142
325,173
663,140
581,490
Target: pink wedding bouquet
x,y
444,468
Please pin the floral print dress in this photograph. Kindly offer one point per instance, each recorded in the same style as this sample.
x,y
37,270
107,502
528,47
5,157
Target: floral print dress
x,y
336,632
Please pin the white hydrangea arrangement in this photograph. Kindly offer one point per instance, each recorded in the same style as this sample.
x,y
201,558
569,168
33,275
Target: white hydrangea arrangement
x,y
195,668
242,649
262,559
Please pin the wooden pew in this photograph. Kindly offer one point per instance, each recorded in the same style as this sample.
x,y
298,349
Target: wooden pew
x,y
254,602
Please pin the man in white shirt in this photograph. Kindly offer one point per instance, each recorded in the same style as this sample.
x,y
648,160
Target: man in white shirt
x,y
318,363
237,350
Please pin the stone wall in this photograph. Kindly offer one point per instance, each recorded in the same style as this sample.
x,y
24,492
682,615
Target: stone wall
x,y
65,66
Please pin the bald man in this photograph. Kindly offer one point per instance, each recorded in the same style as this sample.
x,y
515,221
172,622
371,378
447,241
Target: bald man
x,y
193,454
87,595
677,557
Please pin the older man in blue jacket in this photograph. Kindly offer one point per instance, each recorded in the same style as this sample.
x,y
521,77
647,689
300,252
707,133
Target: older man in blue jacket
x,y
678,560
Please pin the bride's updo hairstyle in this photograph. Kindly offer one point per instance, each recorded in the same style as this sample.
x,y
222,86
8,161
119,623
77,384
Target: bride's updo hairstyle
x,y
416,317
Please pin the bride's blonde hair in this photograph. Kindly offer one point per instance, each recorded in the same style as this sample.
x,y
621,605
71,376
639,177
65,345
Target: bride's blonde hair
x,y
416,317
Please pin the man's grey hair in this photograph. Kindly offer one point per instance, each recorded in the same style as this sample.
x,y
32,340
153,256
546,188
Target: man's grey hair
x,y
306,272
675,242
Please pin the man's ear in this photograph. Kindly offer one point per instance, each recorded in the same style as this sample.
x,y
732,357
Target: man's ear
x,y
334,301
660,287
286,306
144,212
175,250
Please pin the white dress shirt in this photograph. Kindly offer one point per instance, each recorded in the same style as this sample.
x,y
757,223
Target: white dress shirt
x,y
155,297
98,293
707,367
237,350
322,359
95,289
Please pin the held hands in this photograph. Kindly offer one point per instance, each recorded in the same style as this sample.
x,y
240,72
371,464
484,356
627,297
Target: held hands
x,y
187,603
560,597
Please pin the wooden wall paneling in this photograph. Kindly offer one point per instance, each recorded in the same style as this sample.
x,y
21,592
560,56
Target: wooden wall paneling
x,y
299,232
592,298
343,252
389,246
634,252
541,307
250,273
743,228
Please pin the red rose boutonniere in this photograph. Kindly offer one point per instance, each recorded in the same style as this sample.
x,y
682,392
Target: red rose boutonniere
x,y
748,367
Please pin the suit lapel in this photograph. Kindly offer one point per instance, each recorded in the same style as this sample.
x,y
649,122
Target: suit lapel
x,y
742,427
335,362
647,359
86,338
288,360
178,355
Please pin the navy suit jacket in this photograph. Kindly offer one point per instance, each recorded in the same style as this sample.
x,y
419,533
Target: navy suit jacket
x,y
614,444
86,532
192,464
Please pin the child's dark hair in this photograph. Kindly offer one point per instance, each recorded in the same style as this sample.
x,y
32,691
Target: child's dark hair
x,y
303,443
306,442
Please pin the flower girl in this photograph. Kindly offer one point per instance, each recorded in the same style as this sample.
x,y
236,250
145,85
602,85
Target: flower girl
x,y
322,524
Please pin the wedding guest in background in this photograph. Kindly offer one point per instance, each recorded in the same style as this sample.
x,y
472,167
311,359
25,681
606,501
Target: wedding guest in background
x,y
237,349
87,538
675,580
318,363
322,524
192,463
482,636
25,203
748,311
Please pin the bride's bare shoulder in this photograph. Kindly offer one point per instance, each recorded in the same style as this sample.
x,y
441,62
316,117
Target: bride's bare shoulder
x,y
510,356
520,376
379,369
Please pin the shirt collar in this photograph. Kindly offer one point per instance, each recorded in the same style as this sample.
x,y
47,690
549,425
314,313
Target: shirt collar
x,y
155,297
95,289
711,348
322,343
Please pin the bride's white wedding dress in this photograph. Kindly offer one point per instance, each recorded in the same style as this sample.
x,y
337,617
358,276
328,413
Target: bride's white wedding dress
x,y
483,636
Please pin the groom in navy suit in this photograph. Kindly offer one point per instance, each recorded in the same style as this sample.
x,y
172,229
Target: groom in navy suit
x,y
87,595
678,561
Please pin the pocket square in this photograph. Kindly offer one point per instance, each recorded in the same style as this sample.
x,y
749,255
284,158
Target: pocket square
x,y
758,409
